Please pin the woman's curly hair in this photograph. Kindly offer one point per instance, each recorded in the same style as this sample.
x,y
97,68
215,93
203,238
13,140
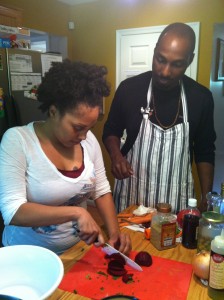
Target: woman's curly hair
x,y
68,84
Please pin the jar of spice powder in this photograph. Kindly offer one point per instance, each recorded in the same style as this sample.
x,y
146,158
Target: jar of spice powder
x,y
163,227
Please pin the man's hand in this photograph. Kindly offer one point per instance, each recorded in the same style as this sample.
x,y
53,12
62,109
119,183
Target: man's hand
x,y
121,168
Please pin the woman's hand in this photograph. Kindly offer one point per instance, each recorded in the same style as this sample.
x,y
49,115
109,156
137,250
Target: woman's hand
x,y
122,243
89,231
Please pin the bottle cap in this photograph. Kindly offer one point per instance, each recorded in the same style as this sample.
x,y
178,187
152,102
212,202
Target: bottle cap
x,y
192,202
219,240
163,207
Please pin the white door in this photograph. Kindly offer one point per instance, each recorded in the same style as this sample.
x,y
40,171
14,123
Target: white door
x,y
134,51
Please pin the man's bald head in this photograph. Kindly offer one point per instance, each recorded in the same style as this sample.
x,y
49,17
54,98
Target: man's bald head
x,y
180,30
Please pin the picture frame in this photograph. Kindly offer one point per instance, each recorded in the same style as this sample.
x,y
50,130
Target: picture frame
x,y
220,60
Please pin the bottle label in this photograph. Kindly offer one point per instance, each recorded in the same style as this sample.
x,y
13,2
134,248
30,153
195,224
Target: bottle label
x,y
168,235
216,275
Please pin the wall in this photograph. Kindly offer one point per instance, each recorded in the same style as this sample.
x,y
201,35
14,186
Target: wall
x,y
94,37
44,15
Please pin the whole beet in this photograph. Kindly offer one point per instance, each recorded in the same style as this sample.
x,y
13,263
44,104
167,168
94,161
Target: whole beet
x,y
143,258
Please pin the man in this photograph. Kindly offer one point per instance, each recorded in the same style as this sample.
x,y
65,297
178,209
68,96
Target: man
x,y
168,119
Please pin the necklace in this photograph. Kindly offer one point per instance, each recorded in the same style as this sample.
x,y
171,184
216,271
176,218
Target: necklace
x,y
157,119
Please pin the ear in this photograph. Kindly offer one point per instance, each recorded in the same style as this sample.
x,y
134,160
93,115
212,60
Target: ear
x,y
52,111
190,59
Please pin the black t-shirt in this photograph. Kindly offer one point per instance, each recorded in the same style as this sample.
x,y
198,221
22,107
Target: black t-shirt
x,y
166,107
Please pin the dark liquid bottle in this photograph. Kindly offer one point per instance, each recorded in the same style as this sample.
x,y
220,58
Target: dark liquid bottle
x,y
190,230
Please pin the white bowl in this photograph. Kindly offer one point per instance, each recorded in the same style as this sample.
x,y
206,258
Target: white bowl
x,y
29,272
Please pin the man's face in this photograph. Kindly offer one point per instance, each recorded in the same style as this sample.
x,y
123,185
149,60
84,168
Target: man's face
x,y
172,56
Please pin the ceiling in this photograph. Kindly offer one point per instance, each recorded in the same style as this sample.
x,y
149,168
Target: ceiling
x,y
75,2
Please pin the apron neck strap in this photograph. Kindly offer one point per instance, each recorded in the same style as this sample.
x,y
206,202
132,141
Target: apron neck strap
x,y
183,98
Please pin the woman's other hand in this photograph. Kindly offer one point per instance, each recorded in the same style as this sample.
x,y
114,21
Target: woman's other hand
x,y
122,243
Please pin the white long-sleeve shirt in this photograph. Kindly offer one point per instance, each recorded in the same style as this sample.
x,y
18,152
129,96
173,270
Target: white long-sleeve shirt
x,y
27,175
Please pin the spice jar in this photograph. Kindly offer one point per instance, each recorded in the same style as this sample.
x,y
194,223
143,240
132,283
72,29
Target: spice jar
x,y
163,227
210,225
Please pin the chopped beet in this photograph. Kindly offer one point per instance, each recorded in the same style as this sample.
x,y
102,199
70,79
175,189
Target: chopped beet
x,y
115,264
116,268
120,272
127,277
143,258
117,257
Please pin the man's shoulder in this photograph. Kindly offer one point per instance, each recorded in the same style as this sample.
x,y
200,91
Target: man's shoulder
x,y
191,85
142,79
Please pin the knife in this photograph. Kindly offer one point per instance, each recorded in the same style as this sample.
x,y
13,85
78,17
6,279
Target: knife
x,y
108,249
133,223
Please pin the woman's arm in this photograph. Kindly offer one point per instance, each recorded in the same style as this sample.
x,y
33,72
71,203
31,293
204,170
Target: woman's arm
x,y
106,208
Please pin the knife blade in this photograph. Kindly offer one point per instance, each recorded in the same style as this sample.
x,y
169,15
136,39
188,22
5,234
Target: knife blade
x,y
133,223
108,249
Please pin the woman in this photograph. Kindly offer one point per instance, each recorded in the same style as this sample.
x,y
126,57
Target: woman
x,y
49,169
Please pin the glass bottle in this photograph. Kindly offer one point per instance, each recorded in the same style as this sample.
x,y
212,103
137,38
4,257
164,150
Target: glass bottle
x,y
216,271
163,227
191,209
222,199
190,225
213,201
210,225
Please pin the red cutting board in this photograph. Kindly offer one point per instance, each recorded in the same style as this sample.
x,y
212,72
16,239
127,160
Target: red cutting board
x,y
165,280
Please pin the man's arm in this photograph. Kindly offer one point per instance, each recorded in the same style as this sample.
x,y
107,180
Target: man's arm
x,y
120,167
206,175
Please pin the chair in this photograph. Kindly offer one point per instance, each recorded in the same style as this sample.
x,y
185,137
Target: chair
x,y
27,110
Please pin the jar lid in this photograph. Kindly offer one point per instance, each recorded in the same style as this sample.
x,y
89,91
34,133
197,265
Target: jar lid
x,y
163,207
192,202
212,216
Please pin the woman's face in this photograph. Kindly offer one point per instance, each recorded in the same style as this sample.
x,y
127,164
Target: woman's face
x,y
71,128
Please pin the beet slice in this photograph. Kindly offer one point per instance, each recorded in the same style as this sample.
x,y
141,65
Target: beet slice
x,y
117,257
116,268
115,264
116,272
143,258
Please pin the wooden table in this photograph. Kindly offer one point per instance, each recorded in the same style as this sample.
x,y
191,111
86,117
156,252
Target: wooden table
x,y
139,243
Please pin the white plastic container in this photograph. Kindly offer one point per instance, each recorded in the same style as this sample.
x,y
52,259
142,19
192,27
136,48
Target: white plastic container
x,y
216,272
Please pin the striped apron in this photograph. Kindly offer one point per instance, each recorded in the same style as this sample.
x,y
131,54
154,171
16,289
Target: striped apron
x,y
161,163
